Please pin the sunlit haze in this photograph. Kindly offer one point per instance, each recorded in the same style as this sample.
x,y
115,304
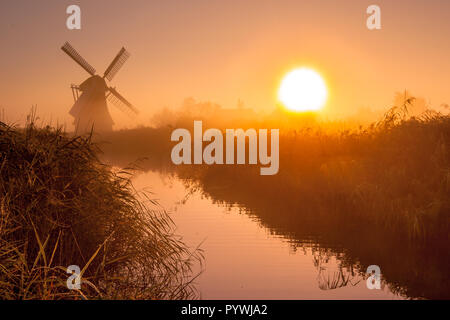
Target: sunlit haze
x,y
212,51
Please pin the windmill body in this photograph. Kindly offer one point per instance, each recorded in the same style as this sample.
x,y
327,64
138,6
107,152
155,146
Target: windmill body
x,y
90,110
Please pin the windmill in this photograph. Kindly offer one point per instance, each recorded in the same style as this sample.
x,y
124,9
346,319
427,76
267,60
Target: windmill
x,y
90,108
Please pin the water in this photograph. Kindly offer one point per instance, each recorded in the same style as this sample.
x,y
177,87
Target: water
x,y
244,259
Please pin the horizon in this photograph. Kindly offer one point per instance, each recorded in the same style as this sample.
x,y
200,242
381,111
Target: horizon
x,y
199,50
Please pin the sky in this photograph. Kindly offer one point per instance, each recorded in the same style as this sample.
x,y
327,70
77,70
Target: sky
x,y
222,51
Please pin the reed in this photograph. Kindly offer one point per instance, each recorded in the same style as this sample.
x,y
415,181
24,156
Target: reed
x,y
60,206
381,191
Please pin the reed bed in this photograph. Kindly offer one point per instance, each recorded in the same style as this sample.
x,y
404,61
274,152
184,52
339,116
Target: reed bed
x,y
61,206
375,194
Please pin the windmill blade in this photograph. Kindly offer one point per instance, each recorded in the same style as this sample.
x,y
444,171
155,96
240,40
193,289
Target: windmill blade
x,y
67,48
120,102
75,92
116,64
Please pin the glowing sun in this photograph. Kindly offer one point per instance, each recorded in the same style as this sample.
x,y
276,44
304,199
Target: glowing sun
x,y
303,89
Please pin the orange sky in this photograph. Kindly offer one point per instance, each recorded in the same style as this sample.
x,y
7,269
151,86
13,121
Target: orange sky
x,y
222,51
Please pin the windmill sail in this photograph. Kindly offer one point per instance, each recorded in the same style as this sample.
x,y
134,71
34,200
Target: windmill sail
x,y
75,92
90,109
116,64
71,52
120,102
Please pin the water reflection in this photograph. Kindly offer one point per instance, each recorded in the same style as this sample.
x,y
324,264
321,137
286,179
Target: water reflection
x,y
367,198
330,278
246,260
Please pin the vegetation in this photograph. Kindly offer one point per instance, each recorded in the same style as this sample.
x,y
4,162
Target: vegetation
x,y
373,195
366,195
60,206
379,195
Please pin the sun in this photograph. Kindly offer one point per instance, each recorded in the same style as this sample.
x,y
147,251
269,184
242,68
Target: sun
x,y
303,89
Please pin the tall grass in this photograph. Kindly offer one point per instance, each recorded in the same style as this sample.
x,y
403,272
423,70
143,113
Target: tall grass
x,y
377,195
61,206
380,194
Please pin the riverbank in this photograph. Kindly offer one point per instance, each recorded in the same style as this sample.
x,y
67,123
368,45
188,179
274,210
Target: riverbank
x,y
374,195
61,206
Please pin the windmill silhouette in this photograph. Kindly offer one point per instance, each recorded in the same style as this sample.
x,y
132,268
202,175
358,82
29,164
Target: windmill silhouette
x,y
90,109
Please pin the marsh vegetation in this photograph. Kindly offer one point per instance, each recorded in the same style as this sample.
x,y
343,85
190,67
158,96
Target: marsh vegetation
x,y
375,194
61,206
378,194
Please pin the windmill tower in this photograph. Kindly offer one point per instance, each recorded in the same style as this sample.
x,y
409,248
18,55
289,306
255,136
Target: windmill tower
x,y
90,108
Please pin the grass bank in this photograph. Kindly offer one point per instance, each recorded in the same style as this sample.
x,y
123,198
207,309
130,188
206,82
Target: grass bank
x,y
61,206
